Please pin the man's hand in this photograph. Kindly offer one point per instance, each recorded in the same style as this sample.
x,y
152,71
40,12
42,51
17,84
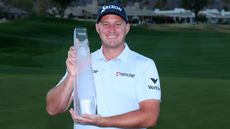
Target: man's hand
x,y
71,61
144,117
86,118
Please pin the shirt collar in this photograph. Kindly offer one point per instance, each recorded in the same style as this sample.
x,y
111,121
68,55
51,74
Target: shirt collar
x,y
123,56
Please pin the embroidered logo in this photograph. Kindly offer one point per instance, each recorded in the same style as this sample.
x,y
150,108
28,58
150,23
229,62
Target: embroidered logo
x,y
154,87
95,71
110,7
125,74
154,80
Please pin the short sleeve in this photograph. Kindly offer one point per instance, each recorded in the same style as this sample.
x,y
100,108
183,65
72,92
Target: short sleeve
x,y
149,86
63,78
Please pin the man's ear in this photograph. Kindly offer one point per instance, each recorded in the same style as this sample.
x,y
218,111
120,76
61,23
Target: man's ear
x,y
97,27
127,28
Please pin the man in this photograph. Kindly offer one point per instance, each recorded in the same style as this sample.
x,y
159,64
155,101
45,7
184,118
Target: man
x,y
127,83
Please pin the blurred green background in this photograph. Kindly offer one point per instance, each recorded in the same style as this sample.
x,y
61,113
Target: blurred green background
x,y
193,64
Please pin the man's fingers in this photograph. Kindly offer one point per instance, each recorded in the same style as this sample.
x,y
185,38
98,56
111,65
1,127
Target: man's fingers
x,y
72,52
74,116
79,119
71,59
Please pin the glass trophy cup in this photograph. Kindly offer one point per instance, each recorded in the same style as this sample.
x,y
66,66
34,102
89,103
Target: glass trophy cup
x,y
84,88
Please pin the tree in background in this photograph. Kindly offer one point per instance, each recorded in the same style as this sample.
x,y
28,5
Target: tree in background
x,y
160,4
63,4
102,2
40,6
35,7
227,5
22,4
195,5
227,1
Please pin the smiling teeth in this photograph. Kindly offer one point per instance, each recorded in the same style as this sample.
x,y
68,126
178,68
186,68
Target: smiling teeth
x,y
112,36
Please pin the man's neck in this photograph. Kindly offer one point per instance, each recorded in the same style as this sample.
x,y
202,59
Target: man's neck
x,y
112,53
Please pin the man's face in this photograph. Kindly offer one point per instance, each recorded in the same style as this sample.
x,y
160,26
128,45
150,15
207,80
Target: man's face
x,y
112,30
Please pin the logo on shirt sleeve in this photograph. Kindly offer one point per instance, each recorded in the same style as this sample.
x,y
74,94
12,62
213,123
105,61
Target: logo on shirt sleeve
x,y
154,80
154,87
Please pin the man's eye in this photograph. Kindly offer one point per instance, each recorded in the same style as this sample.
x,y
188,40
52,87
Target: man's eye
x,y
105,24
118,24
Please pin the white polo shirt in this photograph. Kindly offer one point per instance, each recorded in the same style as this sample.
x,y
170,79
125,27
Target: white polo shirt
x,y
122,83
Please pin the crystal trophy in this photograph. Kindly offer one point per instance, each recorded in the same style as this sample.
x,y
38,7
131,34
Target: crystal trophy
x,y
84,88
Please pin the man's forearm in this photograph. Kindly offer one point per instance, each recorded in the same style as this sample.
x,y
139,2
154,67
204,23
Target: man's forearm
x,y
58,98
145,117
134,119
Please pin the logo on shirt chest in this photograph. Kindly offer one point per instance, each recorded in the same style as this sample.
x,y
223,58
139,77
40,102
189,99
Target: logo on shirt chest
x,y
95,71
125,74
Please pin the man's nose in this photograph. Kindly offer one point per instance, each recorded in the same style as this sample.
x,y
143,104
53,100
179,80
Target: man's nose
x,y
112,28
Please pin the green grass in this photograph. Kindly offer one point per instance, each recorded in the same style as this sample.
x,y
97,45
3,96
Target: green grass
x,y
193,66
